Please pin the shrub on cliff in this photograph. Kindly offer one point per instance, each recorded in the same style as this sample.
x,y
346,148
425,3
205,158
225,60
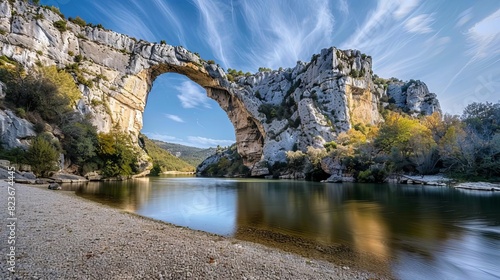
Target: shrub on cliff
x,y
60,25
49,93
78,20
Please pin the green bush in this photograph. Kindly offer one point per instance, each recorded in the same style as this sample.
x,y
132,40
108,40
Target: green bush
x,y
80,141
372,175
78,21
42,156
16,155
156,170
60,25
78,58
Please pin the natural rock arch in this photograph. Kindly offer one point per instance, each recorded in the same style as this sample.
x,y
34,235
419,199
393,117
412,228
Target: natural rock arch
x,y
249,132
121,69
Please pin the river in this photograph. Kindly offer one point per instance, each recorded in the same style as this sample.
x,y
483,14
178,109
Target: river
x,y
420,232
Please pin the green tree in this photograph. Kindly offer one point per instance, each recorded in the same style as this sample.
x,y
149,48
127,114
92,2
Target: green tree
x,y
117,154
483,118
80,141
15,155
42,156
156,170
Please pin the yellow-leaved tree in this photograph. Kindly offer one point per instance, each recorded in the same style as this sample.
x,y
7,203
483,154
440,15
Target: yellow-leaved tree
x,y
65,83
409,143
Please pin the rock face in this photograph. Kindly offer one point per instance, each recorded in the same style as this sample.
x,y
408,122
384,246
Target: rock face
x,y
271,112
14,131
413,97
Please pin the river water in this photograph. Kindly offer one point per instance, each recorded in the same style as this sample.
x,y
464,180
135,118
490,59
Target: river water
x,y
422,232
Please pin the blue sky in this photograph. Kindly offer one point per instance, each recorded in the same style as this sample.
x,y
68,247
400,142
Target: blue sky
x,y
453,46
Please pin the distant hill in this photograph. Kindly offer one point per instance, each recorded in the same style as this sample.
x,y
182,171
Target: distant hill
x,y
166,160
191,155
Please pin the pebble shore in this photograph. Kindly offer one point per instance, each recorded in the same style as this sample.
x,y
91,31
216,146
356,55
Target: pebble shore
x,y
61,236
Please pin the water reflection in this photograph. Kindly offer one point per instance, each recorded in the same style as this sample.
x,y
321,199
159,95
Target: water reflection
x,y
128,195
429,232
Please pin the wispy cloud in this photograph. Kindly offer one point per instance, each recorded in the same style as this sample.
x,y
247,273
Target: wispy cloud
x,y
137,19
484,36
283,32
163,137
125,19
404,7
344,7
192,96
393,33
484,39
193,141
420,24
175,118
198,141
375,20
171,18
215,28
464,17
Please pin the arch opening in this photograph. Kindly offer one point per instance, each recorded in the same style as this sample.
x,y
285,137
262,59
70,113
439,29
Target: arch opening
x,y
178,111
202,90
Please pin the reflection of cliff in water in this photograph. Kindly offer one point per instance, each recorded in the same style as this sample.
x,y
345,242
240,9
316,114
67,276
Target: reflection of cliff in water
x,y
378,219
127,195
317,213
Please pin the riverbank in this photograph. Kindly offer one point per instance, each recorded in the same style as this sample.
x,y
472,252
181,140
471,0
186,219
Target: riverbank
x,y
61,236
177,173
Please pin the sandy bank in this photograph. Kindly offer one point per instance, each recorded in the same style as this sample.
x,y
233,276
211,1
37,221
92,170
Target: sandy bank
x,y
61,236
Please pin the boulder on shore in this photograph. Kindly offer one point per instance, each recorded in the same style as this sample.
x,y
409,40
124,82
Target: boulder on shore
x,y
54,186
67,178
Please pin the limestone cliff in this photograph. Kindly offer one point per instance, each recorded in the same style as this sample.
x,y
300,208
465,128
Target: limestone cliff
x,y
413,97
14,131
272,111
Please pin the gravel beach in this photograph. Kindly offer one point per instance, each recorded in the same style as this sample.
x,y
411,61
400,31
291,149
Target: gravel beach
x,y
61,236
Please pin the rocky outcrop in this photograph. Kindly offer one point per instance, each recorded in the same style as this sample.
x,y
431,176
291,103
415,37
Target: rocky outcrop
x,y
413,97
15,132
272,111
224,163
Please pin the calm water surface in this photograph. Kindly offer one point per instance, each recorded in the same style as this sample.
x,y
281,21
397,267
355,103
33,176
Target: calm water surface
x,y
426,232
